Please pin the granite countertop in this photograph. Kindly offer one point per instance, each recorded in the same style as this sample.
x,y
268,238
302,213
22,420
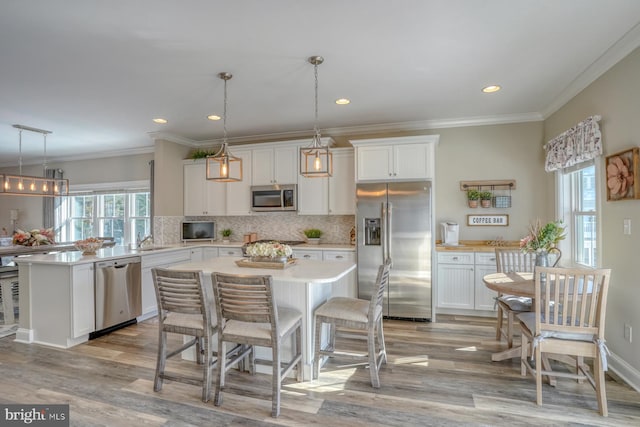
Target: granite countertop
x,y
477,246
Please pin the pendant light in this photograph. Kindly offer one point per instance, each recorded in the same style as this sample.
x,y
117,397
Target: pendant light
x,y
224,166
23,185
316,160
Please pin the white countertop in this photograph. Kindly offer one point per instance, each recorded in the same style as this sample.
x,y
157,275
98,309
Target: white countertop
x,y
76,257
307,271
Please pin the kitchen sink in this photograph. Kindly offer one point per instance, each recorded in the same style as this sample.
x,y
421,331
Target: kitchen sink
x,y
152,248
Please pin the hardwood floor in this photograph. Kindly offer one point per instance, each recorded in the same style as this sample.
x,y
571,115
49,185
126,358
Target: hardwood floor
x,y
437,374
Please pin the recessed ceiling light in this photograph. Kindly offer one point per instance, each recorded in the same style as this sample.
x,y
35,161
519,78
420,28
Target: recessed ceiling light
x,y
491,88
343,101
214,117
160,121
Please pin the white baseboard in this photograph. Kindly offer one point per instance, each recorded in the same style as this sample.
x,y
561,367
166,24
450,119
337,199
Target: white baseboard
x,y
628,373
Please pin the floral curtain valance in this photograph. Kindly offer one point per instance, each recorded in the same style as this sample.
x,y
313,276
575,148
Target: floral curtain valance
x,y
579,144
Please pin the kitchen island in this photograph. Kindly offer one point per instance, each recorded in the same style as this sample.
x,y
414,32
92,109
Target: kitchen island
x,y
57,290
303,286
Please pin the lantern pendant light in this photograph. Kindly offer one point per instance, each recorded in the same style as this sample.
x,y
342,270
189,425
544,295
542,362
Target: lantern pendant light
x,y
224,166
316,161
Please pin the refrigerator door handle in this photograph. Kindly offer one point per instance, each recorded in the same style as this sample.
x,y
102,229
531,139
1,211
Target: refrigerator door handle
x,y
383,231
388,234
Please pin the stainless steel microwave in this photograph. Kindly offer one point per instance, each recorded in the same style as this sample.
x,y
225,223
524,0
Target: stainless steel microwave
x,y
267,198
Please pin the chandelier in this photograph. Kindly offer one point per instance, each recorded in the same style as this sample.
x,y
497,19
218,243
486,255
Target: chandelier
x,y
24,185
316,160
224,166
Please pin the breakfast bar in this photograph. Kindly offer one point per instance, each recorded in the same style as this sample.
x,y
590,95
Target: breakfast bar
x,y
303,286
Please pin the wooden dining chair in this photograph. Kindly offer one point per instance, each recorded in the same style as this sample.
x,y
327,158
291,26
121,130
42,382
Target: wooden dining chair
x,y
509,261
354,313
568,319
184,307
249,316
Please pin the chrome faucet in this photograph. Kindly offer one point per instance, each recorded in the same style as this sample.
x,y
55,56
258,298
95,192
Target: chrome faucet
x,y
140,241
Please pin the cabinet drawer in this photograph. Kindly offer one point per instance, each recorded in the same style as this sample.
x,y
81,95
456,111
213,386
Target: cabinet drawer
x,y
486,258
307,254
338,256
230,252
455,258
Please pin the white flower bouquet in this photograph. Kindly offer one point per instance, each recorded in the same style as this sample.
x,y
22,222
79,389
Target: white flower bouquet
x,y
269,250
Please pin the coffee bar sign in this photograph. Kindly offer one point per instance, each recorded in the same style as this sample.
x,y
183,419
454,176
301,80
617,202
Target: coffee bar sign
x,y
473,220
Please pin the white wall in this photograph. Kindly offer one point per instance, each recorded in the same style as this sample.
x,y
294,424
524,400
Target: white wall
x,y
616,97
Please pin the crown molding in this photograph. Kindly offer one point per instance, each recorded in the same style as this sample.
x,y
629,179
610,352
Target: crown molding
x,y
173,138
616,53
88,156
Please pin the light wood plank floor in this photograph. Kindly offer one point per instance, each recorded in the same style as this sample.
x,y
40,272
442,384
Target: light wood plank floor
x,y
437,374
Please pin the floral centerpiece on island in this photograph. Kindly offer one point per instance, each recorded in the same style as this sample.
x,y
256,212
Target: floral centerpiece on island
x,y
269,252
35,237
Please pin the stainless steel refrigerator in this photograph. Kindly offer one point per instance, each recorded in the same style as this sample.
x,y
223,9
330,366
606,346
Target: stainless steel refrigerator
x,y
394,222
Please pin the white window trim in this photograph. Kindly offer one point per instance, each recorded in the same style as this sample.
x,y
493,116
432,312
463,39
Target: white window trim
x,y
564,213
142,185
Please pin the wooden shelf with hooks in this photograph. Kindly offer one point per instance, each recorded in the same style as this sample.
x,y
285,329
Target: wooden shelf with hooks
x,y
505,184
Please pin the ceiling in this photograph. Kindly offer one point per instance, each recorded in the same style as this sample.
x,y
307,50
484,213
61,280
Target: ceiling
x,y
96,73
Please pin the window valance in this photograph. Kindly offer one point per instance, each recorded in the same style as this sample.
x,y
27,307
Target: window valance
x,y
579,144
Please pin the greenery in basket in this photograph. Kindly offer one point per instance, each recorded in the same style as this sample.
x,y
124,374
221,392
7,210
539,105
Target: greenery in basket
x,y
486,195
226,232
200,154
473,194
312,233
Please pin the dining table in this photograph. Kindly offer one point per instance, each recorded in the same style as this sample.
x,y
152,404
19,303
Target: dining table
x,y
514,283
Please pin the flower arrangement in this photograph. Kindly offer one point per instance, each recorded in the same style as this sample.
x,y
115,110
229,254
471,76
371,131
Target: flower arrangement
x,y
542,238
269,249
35,237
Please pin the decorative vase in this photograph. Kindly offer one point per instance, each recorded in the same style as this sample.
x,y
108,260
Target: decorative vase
x,y
313,240
473,203
485,203
542,258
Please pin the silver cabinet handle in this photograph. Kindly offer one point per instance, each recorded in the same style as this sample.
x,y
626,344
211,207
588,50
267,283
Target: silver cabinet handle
x,y
339,257
455,258
307,256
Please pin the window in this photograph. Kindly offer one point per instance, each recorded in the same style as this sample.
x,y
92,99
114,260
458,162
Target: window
x,y
122,215
578,202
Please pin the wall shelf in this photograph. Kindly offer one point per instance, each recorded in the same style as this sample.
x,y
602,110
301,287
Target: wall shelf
x,y
504,184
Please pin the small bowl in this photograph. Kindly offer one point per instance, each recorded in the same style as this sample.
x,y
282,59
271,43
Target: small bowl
x,y
88,248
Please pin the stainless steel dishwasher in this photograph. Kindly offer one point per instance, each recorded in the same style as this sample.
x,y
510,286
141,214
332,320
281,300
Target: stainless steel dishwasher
x,y
118,292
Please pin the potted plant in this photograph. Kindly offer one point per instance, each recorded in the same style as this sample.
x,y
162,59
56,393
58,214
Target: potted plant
x,y
485,199
313,235
226,233
472,197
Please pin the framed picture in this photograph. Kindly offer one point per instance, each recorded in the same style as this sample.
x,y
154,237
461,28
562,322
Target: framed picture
x,y
473,220
622,175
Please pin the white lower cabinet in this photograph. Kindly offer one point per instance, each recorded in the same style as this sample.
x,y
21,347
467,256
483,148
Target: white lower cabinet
x,y
237,252
456,275
328,255
484,297
208,253
163,260
460,284
307,254
82,300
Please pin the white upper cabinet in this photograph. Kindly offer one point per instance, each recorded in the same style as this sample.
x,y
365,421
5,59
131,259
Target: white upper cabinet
x,y
342,185
391,159
275,165
334,195
202,197
239,193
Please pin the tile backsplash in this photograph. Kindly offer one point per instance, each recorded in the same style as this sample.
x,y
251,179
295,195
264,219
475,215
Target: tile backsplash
x,y
282,225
